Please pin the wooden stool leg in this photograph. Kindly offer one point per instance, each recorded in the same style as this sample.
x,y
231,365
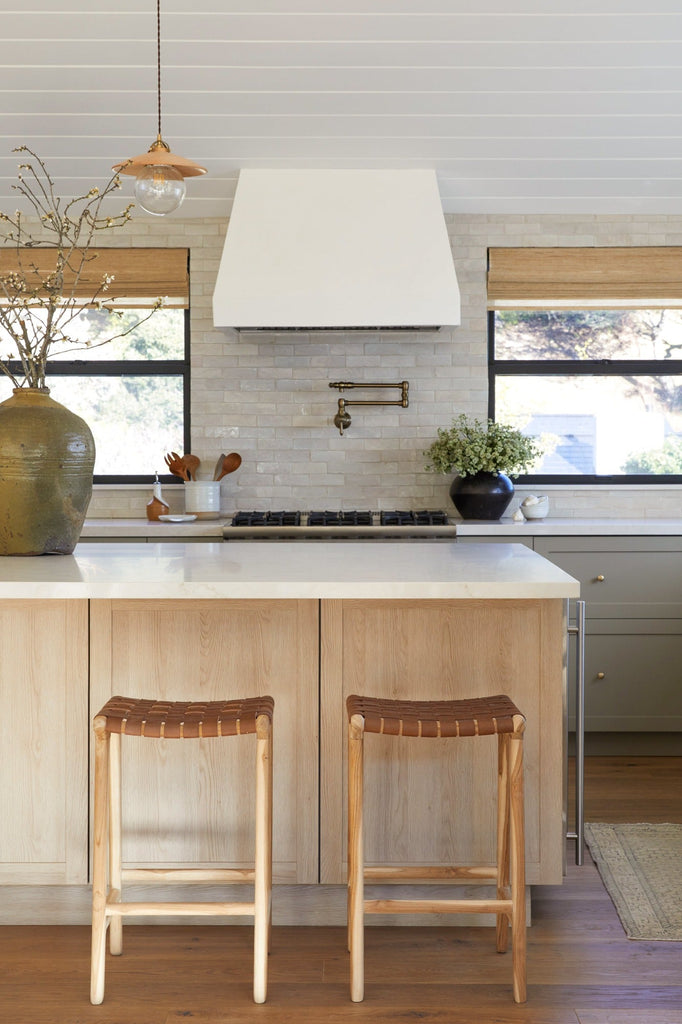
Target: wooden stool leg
x,y
115,825
356,866
518,873
270,763
99,865
261,916
502,921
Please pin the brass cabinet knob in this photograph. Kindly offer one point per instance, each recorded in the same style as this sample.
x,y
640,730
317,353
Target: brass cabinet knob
x,y
600,578
601,675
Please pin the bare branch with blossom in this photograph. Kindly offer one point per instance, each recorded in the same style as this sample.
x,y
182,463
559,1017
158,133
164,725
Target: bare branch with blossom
x,y
39,305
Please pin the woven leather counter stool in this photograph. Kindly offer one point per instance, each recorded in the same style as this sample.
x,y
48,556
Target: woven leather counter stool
x,y
180,720
483,716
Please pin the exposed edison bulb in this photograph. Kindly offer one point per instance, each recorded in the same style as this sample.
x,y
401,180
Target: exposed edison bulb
x,y
159,189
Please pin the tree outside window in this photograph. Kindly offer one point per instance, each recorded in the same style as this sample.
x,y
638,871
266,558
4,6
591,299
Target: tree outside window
x,y
132,392
602,386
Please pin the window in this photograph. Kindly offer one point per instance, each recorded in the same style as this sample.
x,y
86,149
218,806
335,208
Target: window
x,y
585,350
132,392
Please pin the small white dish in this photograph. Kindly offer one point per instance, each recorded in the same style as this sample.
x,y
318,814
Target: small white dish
x,y
176,519
535,506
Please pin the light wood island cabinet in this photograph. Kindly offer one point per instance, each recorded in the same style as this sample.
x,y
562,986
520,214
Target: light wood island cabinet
x,y
307,624
192,802
435,802
44,768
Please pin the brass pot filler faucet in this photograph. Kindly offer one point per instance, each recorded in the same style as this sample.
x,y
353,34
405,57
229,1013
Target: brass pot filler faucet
x,y
342,419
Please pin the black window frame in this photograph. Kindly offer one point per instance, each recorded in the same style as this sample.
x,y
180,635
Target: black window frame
x,y
130,368
585,368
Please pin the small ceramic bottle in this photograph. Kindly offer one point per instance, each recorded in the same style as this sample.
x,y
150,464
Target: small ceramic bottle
x,y
156,506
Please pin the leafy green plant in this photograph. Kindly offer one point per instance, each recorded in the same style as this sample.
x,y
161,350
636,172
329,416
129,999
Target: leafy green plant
x,y
469,447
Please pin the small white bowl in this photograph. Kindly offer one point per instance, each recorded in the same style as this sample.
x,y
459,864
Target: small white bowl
x,y
535,509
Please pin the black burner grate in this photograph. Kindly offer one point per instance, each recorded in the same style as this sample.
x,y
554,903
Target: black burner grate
x,y
431,517
266,519
340,518
393,517
425,517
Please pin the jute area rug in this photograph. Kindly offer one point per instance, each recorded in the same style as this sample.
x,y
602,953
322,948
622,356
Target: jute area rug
x,y
641,867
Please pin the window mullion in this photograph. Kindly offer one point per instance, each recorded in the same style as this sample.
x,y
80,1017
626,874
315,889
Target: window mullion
x,y
585,368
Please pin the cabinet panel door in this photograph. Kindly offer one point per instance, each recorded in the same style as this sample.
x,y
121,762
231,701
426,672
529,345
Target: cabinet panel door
x,y
631,577
433,801
44,697
192,801
633,681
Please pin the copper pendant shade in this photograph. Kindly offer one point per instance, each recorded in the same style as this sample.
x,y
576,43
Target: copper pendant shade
x,y
159,153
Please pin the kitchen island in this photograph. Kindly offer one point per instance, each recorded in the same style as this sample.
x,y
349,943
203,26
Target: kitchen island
x,y
308,623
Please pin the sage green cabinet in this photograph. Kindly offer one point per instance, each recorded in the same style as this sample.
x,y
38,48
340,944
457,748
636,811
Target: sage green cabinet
x,y
633,680
622,577
632,587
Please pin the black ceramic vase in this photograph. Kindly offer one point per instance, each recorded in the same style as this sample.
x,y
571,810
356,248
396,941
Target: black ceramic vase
x,y
481,496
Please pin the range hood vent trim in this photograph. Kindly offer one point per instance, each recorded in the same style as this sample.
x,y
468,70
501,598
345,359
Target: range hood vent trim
x,y
339,330
311,251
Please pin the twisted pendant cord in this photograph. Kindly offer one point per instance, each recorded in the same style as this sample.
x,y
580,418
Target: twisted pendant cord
x,y
158,60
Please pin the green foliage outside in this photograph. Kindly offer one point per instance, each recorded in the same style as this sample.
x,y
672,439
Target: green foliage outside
x,y
162,337
589,334
662,461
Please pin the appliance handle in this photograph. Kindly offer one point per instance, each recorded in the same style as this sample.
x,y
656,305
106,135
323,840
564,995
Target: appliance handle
x,y
579,632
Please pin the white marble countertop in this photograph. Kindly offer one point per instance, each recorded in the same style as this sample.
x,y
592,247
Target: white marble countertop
x,y
507,529
253,569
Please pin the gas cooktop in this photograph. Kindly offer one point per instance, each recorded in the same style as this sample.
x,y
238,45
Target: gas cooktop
x,y
336,523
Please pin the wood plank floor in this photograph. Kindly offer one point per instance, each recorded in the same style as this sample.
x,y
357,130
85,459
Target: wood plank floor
x,y
582,968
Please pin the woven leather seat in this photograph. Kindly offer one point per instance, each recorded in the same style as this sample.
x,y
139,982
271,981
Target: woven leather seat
x,y
478,717
176,720
182,719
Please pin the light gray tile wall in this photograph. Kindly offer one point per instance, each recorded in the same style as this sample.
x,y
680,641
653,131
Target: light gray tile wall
x,y
267,396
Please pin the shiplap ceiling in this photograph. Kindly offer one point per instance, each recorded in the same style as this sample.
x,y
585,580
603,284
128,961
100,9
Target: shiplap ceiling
x,y
521,106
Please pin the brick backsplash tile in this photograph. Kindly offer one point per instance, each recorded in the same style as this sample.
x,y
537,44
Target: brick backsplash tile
x,y
267,395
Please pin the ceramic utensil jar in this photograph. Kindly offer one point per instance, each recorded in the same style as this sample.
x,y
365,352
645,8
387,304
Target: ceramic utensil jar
x,y
202,498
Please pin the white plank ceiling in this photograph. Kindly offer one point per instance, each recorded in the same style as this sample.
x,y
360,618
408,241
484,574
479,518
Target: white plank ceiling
x,y
521,106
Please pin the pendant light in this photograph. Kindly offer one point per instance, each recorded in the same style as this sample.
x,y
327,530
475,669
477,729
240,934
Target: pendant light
x,y
159,174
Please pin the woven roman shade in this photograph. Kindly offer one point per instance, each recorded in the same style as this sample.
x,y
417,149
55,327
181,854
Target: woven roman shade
x,y
141,275
531,278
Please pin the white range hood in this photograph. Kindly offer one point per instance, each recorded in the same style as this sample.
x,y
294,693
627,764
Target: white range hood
x,y
336,250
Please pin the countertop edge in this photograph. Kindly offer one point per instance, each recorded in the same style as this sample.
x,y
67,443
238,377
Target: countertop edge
x,y
290,591
132,529
288,570
558,527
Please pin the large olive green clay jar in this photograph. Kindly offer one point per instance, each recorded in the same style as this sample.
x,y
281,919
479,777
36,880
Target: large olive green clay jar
x,y
47,455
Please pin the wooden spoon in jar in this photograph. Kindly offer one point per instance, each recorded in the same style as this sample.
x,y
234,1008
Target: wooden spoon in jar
x,y
230,463
219,466
191,464
176,465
